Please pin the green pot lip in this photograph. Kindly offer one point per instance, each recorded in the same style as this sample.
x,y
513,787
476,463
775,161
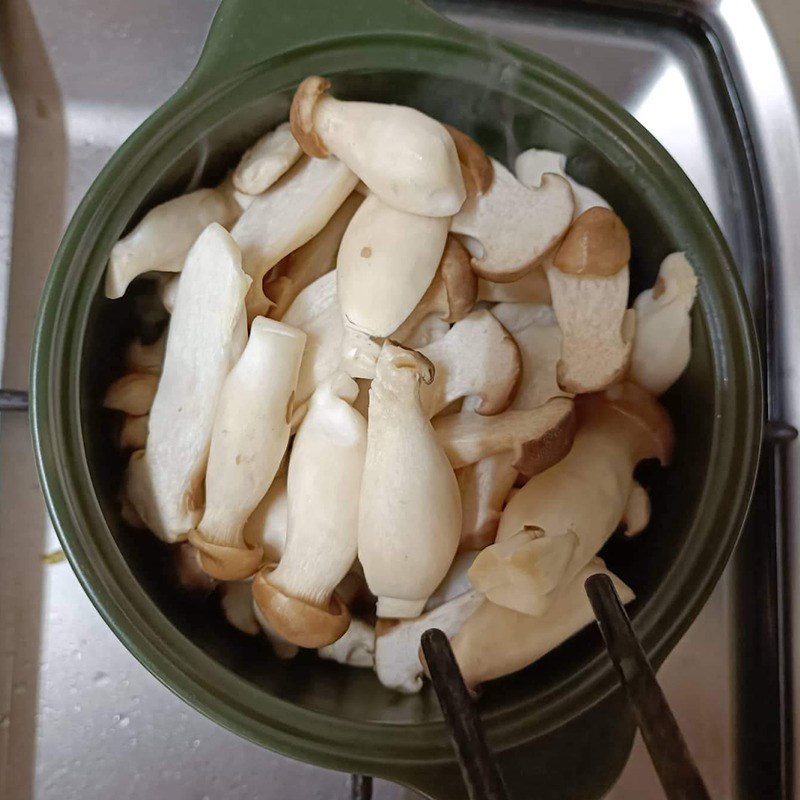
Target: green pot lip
x,y
282,726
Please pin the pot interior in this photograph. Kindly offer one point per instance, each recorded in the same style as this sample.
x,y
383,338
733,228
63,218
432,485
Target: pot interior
x,y
505,125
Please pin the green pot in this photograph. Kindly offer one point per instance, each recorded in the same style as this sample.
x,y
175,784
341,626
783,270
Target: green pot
x,y
560,727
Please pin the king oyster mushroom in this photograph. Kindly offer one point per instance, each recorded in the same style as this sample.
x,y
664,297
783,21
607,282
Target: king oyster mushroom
x,y
511,227
297,597
476,358
406,158
662,344
133,433
161,240
589,286
497,641
248,440
268,159
303,266
449,298
164,481
286,216
561,518
531,166
409,510
355,647
386,262
266,526
132,394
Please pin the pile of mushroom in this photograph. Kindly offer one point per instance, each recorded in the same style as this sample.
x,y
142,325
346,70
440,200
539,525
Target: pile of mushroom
x,y
399,387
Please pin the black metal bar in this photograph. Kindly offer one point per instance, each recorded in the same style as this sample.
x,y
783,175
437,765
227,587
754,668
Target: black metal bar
x,y
478,767
662,736
360,787
13,400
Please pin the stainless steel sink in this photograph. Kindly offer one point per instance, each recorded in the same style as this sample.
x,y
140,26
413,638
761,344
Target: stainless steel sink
x,y
79,717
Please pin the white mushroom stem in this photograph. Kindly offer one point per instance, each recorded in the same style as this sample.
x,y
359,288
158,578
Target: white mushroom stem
x,y
561,518
132,394
662,344
450,296
589,287
286,216
146,357
330,346
386,262
538,437
325,469
429,330
266,526
161,240
530,288
406,158
410,510
250,434
355,648
133,434
397,660
497,641
236,599
637,512
476,358
485,487
309,262
266,160
510,227
531,166
165,480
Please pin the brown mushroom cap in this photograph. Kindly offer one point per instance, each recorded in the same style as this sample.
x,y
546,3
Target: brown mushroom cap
x,y
226,563
478,166
633,404
296,620
596,244
537,455
132,393
301,115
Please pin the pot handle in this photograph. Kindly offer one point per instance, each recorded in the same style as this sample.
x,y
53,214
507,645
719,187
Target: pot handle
x,y
245,33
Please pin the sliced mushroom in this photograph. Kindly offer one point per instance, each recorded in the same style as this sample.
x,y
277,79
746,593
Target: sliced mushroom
x,y
539,437
561,518
266,160
297,597
429,330
133,433
589,286
397,661
532,165
476,358
161,240
132,393
309,262
146,357
410,510
286,216
329,345
662,344
637,512
497,641
266,526
485,487
386,262
511,227
355,648
530,288
249,438
450,296
189,573
165,480
406,158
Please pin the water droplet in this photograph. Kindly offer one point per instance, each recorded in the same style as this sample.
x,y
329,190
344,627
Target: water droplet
x,y
196,743
101,679
124,722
